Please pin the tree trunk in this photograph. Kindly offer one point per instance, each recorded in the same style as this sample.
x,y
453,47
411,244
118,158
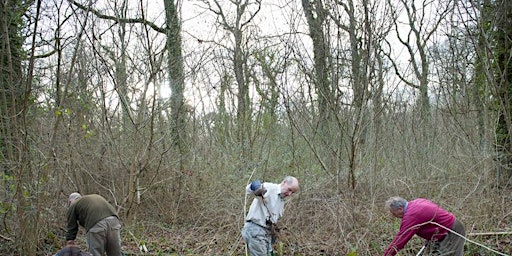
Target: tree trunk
x,y
176,80
503,90
316,17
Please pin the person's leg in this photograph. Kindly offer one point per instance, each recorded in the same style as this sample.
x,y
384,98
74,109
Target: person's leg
x,y
113,246
257,240
453,244
459,241
95,238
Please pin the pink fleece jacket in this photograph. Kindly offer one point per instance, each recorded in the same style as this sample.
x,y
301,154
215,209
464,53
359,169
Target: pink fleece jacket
x,y
418,218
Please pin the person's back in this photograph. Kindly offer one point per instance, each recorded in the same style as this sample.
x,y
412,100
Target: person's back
x,y
425,215
90,209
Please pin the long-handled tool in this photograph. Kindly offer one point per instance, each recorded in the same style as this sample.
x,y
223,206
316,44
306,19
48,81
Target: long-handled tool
x,y
421,250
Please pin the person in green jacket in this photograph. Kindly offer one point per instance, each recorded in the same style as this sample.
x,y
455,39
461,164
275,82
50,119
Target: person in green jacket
x,y
100,220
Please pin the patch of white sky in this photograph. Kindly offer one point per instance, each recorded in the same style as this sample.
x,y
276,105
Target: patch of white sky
x,y
277,18
202,33
204,39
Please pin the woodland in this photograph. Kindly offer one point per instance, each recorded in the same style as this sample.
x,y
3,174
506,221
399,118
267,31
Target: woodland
x,y
169,108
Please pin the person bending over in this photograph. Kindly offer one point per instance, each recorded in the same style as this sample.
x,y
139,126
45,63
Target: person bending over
x,y
266,208
443,232
100,220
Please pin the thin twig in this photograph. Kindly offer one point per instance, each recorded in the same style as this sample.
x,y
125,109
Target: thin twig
x,y
6,238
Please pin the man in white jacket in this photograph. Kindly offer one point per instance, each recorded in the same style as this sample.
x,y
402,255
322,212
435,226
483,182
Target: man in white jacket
x,y
265,210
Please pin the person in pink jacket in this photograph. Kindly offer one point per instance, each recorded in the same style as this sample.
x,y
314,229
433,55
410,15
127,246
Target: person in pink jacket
x,y
443,232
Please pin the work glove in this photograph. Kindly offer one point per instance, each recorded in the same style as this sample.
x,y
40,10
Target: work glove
x,y
257,188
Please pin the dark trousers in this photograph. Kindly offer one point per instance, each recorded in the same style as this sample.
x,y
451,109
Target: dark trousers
x,y
452,244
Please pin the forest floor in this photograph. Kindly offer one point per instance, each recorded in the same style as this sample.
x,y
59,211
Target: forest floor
x,y
205,241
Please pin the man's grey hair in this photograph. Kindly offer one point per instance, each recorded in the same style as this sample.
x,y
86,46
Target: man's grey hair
x,y
73,197
289,180
395,202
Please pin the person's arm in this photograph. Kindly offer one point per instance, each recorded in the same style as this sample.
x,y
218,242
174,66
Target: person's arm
x,y
256,188
72,225
406,232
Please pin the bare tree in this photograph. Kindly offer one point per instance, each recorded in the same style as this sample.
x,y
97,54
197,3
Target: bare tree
x,y
364,38
316,16
417,27
244,13
17,167
179,110
422,22
346,54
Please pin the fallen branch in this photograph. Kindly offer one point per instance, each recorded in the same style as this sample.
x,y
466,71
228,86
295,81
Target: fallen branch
x,y
490,233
